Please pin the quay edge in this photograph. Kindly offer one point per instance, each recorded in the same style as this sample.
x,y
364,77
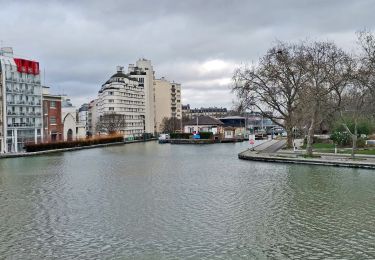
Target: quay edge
x,y
245,155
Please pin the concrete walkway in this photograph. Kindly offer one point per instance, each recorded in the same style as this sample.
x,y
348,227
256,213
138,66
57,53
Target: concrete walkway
x,y
270,152
274,147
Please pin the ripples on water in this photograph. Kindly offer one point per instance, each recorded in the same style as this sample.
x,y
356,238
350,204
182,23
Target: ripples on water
x,y
151,201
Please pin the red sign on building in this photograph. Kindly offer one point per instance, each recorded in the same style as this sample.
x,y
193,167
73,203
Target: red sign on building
x,y
27,66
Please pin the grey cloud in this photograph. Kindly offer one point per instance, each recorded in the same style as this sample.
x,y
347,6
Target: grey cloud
x,y
79,43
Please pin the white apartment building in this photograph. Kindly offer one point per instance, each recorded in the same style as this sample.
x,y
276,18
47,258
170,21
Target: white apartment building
x,y
144,73
125,94
167,101
21,102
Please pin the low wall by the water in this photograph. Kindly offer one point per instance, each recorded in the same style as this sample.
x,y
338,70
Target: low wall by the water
x,y
14,155
192,141
253,156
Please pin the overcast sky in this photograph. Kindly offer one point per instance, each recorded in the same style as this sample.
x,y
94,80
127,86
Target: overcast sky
x,y
195,43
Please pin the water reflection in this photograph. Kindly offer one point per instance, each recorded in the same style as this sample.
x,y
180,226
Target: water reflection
x,y
179,201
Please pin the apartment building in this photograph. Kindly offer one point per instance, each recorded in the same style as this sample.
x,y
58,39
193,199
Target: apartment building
x,y
21,102
83,116
124,94
144,73
167,101
92,117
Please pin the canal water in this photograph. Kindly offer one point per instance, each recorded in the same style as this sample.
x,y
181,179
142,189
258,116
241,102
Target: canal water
x,y
153,201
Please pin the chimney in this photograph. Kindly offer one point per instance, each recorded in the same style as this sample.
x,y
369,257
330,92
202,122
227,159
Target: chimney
x,y
120,69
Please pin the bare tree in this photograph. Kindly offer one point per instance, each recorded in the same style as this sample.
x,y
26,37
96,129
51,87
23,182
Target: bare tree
x,y
328,70
111,123
273,85
357,97
170,124
366,72
354,101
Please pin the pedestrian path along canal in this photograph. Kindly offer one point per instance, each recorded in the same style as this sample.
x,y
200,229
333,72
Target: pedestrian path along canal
x,y
162,201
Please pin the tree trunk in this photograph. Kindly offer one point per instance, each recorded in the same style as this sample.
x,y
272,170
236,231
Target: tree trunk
x,y
354,139
310,137
289,137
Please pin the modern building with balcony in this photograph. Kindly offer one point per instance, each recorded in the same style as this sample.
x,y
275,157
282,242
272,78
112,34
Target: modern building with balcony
x,y
167,101
124,94
21,98
144,73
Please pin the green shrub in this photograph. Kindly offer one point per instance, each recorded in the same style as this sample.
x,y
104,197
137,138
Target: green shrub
x,y
361,143
341,138
206,135
180,135
31,147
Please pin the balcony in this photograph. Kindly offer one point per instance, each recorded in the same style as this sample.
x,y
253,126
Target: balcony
x,y
24,125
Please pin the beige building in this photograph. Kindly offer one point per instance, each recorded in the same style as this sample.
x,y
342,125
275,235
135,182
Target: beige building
x,y
144,73
167,101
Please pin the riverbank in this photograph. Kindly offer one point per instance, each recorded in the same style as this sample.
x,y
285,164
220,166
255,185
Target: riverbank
x,y
200,141
265,153
26,154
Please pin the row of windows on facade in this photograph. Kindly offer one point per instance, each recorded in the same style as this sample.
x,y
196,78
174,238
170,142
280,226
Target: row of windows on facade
x,y
22,133
125,101
18,98
119,93
22,111
135,124
126,109
18,76
21,87
24,122
134,131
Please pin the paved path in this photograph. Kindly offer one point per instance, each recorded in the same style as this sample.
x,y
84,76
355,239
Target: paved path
x,y
274,147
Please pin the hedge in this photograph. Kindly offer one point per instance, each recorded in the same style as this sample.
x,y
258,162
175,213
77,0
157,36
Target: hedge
x,y
31,147
206,135
181,135
203,135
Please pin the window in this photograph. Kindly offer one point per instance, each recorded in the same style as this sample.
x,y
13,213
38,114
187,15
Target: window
x,y
110,100
52,104
110,93
111,108
52,120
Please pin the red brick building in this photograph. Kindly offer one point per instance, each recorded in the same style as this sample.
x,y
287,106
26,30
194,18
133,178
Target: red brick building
x,y
52,122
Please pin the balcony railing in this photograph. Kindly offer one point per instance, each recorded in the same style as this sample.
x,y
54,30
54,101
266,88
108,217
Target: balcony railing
x,y
24,125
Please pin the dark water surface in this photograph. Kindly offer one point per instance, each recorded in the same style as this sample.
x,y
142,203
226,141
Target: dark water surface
x,y
151,201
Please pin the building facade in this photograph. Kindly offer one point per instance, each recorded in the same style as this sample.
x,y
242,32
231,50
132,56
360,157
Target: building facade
x,y
21,102
92,117
53,128
124,94
210,111
167,101
83,116
143,72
